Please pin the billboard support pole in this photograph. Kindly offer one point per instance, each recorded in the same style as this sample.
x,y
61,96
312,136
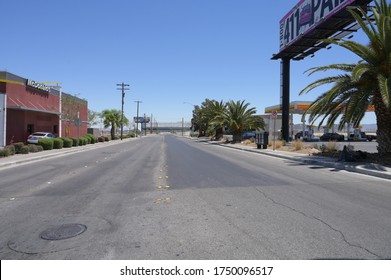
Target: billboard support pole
x,y
285,92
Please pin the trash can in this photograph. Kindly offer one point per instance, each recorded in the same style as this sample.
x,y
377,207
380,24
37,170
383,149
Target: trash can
x,y
262,139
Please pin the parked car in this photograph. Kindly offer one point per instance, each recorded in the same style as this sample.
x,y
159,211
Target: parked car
x,y
313,138
332,137
33,138
248,135
363,137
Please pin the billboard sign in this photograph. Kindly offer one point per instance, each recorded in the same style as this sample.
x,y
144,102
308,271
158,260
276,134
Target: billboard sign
x,y
141,119
307,15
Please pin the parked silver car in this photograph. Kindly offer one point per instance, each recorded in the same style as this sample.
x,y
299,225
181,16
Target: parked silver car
x,y
33,138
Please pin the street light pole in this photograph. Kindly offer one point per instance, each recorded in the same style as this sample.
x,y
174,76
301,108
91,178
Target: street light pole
x,y
123,85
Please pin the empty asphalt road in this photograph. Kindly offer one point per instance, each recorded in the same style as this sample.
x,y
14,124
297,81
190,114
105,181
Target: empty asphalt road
x,y
163,197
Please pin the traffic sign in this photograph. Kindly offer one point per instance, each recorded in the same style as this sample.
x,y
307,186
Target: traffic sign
x,y
274,114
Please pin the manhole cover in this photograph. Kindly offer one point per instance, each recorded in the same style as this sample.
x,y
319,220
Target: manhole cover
x,y
63,232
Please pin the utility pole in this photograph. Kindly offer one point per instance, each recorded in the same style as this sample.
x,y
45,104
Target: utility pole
x,y
145,125
123,85
151,123
137,120
183,123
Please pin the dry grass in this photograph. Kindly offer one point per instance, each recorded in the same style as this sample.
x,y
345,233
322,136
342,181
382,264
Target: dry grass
x,y
297,145
332,146
278,144
247,142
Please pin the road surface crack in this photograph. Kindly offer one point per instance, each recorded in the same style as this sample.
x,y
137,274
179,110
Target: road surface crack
x,y
319,220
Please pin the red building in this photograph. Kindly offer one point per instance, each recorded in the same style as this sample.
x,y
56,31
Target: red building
x,y
27,106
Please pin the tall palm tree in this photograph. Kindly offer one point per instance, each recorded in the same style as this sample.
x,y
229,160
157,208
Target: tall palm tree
x,y
239,118
363,84
112,118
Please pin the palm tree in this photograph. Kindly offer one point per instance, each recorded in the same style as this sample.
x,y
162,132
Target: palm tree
x,y
363,84
199,122
112,118
239,118
213,110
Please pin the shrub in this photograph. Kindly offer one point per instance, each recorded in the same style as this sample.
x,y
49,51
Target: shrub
x,y
11,149
298,145
101,139
92,138
107,139
83,141
75,142
18,146
39,148
278,144
332,146
58,143
32,148
132,134
4,153
24,150
247,142
68,142
46,143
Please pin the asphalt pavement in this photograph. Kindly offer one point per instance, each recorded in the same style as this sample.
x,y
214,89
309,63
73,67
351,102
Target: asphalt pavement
x,y
166,197
372,169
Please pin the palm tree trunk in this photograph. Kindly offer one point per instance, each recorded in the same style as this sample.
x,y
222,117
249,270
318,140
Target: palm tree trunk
x,y
237,137
219,133
112,132
383,119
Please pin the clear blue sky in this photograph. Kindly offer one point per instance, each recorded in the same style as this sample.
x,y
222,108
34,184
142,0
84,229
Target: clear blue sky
x,y
169,51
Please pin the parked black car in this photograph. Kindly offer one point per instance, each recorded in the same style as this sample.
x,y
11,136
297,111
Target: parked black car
x,y
332,137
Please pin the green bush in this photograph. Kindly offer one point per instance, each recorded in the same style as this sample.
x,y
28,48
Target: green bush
x,y
32,148
68,143
11,149
4,153
18,146
101,139
75,142
24,150
46,143
87,139
107,139
39,148
82,141
132,134
92,138
58,143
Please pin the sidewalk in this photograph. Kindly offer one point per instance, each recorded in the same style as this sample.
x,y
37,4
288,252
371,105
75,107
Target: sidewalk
x,y
371,169
31,157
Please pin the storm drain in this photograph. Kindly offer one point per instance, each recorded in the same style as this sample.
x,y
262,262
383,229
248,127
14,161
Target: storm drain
x,y
63,232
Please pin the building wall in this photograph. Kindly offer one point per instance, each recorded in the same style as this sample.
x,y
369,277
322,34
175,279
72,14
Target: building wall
x,y
71,110
20,124
20,95
32,110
